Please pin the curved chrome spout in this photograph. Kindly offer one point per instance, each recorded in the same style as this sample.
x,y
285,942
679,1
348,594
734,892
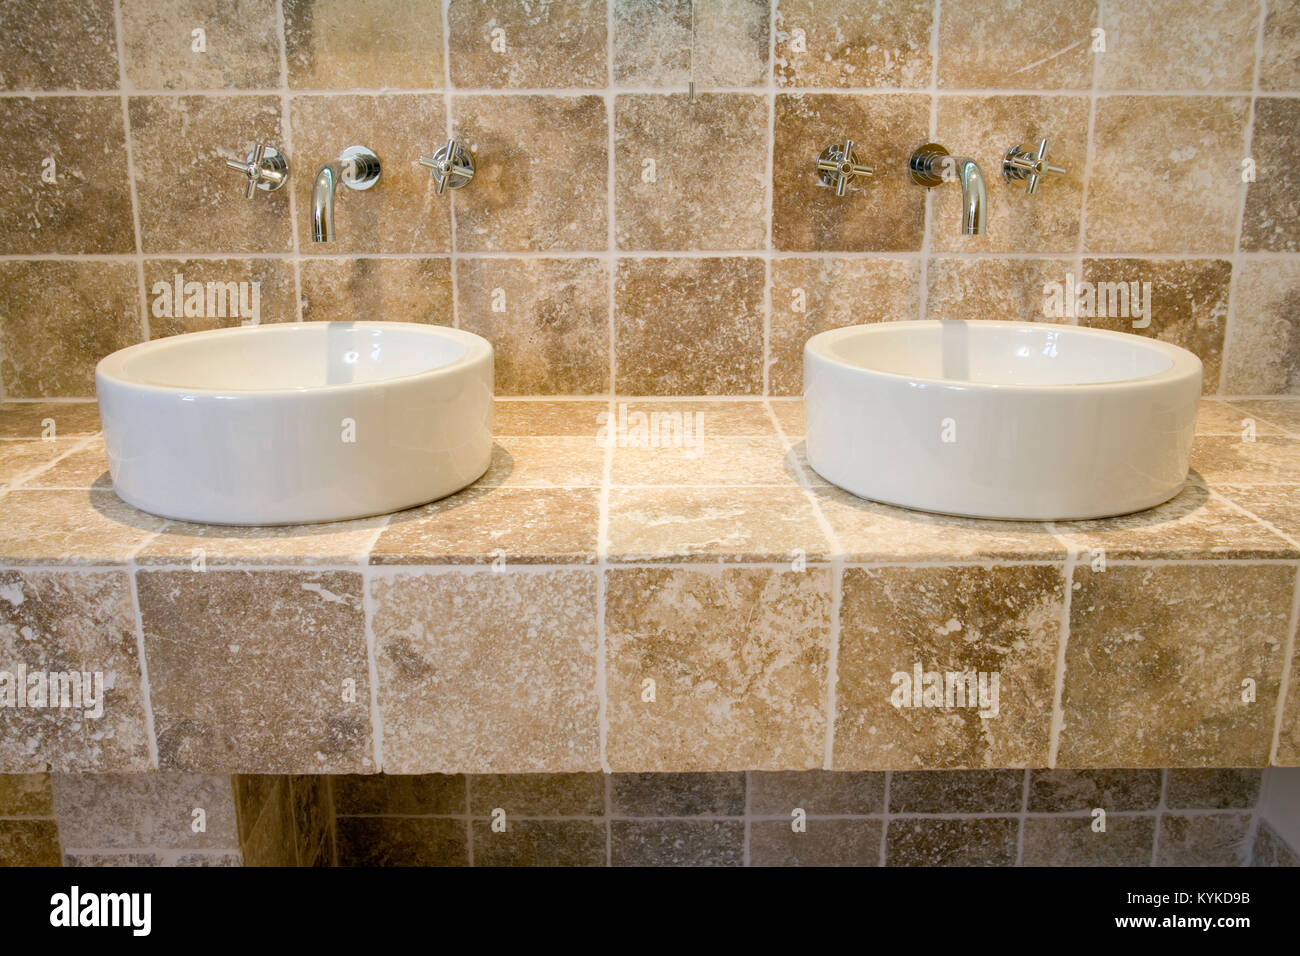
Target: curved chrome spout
x,y
974,196
322,201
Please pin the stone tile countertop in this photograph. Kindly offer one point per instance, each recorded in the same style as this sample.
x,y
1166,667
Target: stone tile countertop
x,y
687,596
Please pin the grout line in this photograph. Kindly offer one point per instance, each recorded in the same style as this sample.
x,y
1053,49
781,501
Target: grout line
x,y
287,133
927,215
142,300
884,820
469,820
1288,663
368,578
1024,813
444,12
609,813
1218,495
748,818
769,194
611,202
1160,816
146,690
1063,642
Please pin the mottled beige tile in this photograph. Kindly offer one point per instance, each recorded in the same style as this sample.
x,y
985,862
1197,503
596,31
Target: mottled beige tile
x,y
1272,218
377,290
1280,412
870,531
1187,202
1215,839
1071,841
689,326
57,320
677,843
199,545
58,47
402,841
85,467
1231,789
647,423
674,42
990,841
48,419
189,201
555,418
665,203
261,671
29,843
540,843
811,295
1214,417
502,526
1279,505
103,811
1006,289
677,794
547,320
538,794
823,843
343,44
1076,791
738,659
1269,459
60,622
1156,662
26,795
991,43
701,461
547,462
402,213
714,524
80,142
853,43
399,794
267,294
1047,221
241,48
956,791
541,165
1174,45
1262,351
816,792
790,416
71,527
21,461
500,43
1195,524
884,212
1279,64
486,672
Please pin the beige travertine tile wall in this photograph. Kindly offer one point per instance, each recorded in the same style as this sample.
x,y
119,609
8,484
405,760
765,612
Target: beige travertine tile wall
x,y
645,218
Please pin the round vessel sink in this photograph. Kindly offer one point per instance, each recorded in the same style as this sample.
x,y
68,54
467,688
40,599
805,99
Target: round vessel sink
x,y
294,423
996,419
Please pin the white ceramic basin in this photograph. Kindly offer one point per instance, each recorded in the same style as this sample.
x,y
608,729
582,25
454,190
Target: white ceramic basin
x,y
1000,419
282,424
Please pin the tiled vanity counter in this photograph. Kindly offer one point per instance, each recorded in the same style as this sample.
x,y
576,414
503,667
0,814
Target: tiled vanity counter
x,y
705,605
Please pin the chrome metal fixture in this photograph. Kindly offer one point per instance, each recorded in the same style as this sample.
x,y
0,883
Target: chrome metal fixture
x,y
266,168
931,165
1020,163
837,167
358,168
452,166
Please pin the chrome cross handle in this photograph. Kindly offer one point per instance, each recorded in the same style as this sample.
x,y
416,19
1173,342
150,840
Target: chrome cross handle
x,y
837,167
1020,163
452,166
265,167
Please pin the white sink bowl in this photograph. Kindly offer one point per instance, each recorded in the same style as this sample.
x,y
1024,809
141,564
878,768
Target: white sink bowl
x,y
1000,419
293,423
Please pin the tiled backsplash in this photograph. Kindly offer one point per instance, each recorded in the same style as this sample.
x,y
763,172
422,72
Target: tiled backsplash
x,y
645,216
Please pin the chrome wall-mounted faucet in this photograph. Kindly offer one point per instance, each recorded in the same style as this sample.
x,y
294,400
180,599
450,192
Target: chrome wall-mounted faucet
x,y
1020,163
837,167
266,168
452,166
931,165
358,168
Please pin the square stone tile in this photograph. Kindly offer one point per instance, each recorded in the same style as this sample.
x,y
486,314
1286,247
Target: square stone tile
x,y
1003,621
824,843
81,143
1171,45
540,843
790,416
399,794
1078,791
499,43
1157,659
1272,217
1262,348
1007,289
269,294
1279,64
1071,841
1216,417
55,419
1215,839
29,843
58,319
666,203
1187,204
72,528
258,671
677,842
1040,46
545,462
538,795
1269,459
144,811
818,793
342,44
499,525
26,795
240,44
1284,413
388,290
402,213
886,212
547,320
990,841
853,43
541,418
85,467
1279,505
21,461
487,672
70,47
402,841
1270,849
677,794
189,201
811,295
541,168
673,42
738,660
956,791
1234,789
689,326
60,621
